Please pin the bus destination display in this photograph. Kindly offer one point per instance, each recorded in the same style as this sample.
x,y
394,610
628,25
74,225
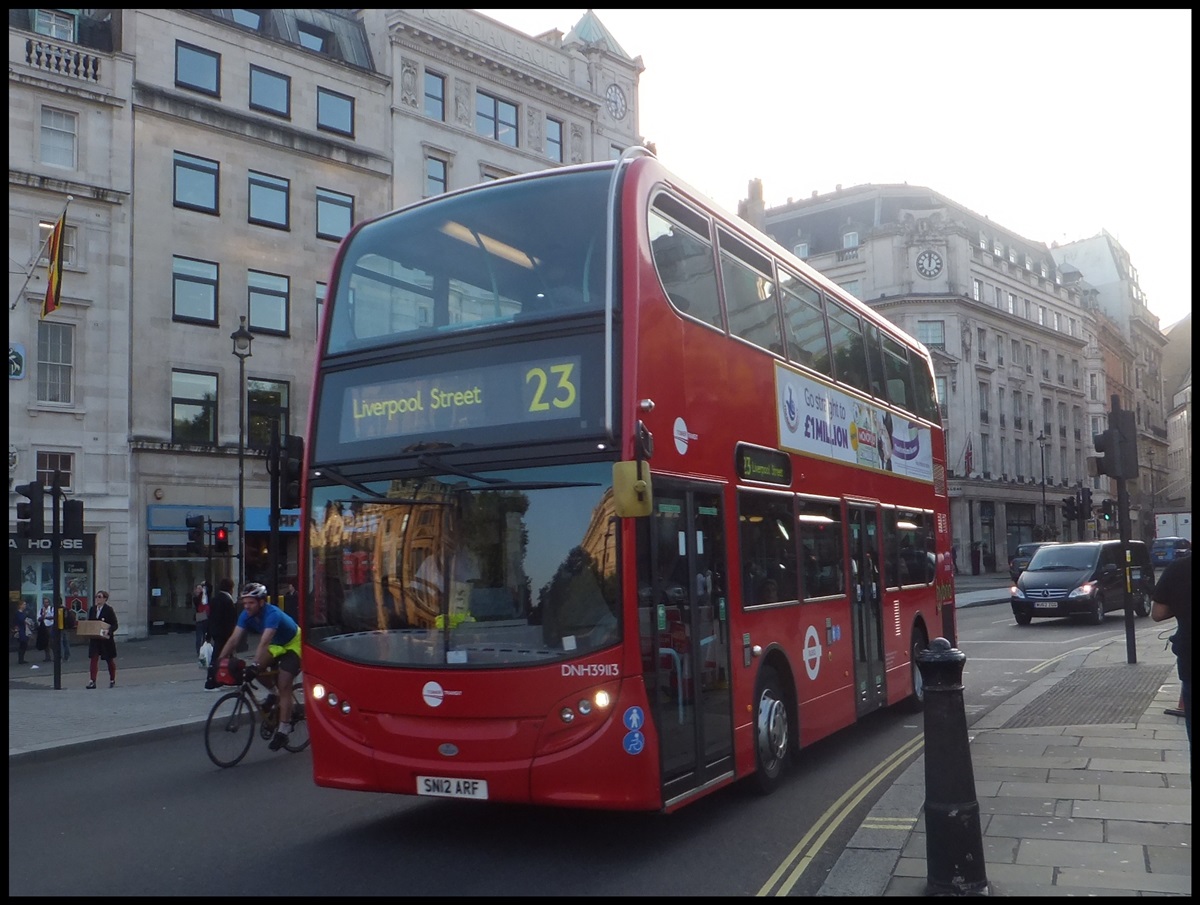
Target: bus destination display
x,y
523,392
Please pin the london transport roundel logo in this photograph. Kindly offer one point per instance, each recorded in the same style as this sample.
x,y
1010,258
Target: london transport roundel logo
x,y
433,694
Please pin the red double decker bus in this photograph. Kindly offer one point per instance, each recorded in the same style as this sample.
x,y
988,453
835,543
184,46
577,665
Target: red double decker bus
x,y
610,500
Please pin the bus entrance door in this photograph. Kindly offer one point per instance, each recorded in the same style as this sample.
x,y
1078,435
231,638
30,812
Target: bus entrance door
x,y
685,634
866,603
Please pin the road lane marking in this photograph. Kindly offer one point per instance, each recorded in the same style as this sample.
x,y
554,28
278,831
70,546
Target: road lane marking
x,y
800,857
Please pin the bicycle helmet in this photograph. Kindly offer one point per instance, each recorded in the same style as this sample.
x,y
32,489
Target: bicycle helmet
x,y
254,589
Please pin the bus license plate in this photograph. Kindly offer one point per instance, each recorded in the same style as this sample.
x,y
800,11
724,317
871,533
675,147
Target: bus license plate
x,y
450,787
1045,605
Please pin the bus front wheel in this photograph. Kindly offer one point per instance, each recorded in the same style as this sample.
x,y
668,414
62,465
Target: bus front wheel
x,y
916,700
772,732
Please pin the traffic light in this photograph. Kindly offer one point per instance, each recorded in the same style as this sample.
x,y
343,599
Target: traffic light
x,y
1107,509
1108,444
1070,508
291,464
72,515
31,512
1118,446
1085,502
221,539
195,528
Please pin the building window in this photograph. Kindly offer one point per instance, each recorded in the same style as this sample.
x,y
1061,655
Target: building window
x,y
193,408
932,333
800,250
1000,343
55,363
194,290
554,139
1012,304
50,462
850,239
1042,315
1057,321
197,69
435,96
270,92
335,112
312,38
58,145
322,291
977,290
335,214
999,298
266,405
197,183
983,240
268,200
248,18
55,24
268,302
496,119
435,176
68,244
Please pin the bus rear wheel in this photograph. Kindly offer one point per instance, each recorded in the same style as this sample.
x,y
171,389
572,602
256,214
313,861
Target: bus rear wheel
x,y
772,732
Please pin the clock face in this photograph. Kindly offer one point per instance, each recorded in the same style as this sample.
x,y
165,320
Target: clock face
x,y
616,101
929,264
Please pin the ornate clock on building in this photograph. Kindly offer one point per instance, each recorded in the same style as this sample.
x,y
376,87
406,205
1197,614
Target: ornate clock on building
x,y
615,98
929,264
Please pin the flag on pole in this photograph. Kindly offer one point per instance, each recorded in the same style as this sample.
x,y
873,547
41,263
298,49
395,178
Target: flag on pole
x,y
969,457
54,276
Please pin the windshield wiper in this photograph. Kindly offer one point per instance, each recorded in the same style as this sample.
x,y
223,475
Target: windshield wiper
x,y
347,482
496,483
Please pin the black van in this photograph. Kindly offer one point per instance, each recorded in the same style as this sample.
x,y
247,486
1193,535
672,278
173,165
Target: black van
x,y
1082,579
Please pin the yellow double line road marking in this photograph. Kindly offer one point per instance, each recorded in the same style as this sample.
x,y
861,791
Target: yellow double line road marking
x,y
785,877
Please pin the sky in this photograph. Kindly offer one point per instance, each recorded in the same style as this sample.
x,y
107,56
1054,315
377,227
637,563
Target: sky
x,y
1056,124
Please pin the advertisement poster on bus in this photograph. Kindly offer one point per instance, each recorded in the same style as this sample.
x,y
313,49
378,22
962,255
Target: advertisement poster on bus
x,y
819,420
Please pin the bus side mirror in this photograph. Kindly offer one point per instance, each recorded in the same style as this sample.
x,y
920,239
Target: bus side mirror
x,y
631,492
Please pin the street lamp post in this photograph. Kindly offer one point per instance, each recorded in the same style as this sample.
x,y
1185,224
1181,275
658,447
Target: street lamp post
x,y
243,339
1041,439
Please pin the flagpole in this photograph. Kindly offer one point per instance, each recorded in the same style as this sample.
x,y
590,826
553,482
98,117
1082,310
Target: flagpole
x,y
37,257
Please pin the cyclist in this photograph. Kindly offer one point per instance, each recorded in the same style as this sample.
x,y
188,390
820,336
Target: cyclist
x,y
279,644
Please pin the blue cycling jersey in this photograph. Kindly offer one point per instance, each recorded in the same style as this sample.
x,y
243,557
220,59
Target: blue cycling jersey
x,y
271,616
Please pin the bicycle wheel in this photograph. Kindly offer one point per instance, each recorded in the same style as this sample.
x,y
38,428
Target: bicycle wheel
x,y
298,738
230,729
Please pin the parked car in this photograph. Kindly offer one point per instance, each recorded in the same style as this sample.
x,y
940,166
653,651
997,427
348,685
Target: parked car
x,y
1165,549
1019,561
1082,579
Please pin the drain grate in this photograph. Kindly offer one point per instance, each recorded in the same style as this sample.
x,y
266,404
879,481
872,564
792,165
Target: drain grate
x,y
1106,694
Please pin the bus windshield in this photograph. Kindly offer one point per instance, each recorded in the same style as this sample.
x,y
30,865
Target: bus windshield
x,y
467,261
457,570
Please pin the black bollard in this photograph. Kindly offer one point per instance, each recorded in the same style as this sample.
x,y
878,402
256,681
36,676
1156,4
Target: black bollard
x,y
953,837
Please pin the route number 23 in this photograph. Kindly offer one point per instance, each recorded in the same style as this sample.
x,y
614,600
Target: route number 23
x,y
554,388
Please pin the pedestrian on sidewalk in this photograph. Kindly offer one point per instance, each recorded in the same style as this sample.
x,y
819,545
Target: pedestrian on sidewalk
x,y
44,624
105,648
222,619
200,597
1173,597
64,636
21,624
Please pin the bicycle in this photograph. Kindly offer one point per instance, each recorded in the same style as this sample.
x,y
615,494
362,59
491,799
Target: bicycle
x,y
230,728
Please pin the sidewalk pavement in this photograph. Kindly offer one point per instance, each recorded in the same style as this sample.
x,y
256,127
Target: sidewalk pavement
x,y
1083,783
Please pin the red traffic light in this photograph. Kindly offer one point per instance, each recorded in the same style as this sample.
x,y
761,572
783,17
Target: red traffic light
x,y
221,539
